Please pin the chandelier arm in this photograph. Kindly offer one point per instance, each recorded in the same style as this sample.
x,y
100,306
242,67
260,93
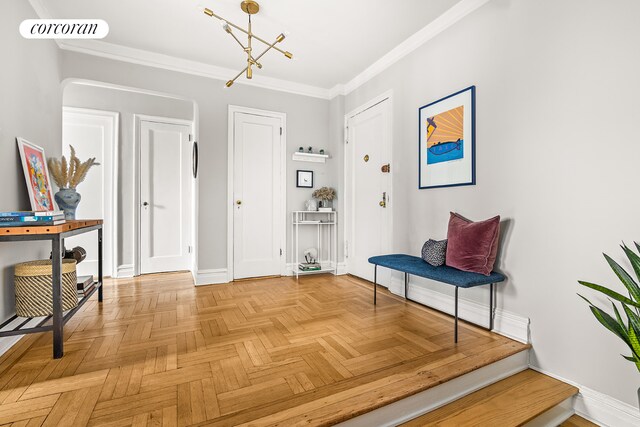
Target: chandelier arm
x,y
238,40
230,82
209,12
271,46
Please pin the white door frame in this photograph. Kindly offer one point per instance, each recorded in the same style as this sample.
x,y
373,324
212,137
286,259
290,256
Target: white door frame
x,y
230,189
137,119
349,200
114,116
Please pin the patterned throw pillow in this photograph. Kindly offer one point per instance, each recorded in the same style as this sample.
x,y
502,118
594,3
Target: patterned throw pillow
x,y
434,252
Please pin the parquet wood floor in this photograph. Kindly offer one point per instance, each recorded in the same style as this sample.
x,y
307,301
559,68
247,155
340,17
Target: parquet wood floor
x,y
161,352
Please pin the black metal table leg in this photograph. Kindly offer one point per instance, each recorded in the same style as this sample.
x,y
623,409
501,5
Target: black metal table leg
x,y
456,320
491,307
56,276
375,284
100,264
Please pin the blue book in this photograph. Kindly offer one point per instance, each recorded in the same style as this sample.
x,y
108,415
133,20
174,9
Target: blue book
x,y
31,219
30,224
31,213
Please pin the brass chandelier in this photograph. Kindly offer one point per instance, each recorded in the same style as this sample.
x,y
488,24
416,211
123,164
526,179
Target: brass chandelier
x,y
250,7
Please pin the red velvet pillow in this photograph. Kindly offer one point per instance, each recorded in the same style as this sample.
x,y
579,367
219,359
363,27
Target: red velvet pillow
x,y
472,246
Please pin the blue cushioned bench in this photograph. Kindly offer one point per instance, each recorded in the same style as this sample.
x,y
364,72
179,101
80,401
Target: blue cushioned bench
x,y
418,267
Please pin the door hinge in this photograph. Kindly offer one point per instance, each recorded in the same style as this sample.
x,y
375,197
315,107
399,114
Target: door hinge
x,y
281,130
190,137
280,252
190,249
346,249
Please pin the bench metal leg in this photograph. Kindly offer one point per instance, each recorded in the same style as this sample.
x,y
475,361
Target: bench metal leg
x,y
455,335
406,280
491,307
375,284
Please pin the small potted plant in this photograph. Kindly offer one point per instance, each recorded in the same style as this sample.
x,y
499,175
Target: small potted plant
x,y
629,330
67,176
326,196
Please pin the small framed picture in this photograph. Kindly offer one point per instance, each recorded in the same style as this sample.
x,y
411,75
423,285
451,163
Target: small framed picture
x,y
304,179
36,174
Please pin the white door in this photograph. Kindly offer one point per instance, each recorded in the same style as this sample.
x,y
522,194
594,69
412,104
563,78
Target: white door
x,y
93,134
257,189
368,150
165,196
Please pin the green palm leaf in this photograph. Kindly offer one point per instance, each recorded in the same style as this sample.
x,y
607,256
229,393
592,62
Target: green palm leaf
x,y
625,278
615,310
609,322
613,294
634,344
634,259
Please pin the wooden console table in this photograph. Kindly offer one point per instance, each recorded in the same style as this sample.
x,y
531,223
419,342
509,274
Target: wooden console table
x,y
56,234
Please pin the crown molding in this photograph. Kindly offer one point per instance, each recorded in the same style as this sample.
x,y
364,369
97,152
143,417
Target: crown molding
x,y
435,27
172,63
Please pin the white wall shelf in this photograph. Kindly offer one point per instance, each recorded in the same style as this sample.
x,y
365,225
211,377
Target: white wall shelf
x,y
326,239
309,157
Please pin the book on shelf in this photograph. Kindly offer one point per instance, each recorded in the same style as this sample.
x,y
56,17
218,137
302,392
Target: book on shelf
x,y
309,266
31,223
83,292
31,218
84,282
32,213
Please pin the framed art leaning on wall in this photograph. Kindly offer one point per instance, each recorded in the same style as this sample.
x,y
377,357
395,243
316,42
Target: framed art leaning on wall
x,y
36,175
446,144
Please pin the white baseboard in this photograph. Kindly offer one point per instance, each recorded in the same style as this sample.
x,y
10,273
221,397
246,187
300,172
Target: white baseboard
x,y
554,416
125,270
599,408
508,324
7,342
447,392
342,268
211,277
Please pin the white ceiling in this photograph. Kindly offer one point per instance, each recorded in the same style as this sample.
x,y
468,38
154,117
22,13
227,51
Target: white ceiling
x,y
332,40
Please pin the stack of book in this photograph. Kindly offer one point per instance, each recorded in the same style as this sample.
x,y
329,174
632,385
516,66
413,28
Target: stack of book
x,y
31,218
85,285
309,266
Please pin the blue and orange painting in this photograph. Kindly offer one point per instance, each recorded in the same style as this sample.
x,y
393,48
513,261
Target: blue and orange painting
x,y
445,136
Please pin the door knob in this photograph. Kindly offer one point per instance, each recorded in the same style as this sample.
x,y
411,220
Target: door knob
x,y
383,202
145,204
238,202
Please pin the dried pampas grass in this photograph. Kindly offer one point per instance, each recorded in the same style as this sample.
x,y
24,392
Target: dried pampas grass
x,y
70,174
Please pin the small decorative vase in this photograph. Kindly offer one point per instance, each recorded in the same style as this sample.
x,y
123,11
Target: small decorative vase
x,y
67,200
325,205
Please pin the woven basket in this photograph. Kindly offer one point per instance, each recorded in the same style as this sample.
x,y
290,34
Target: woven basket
x,y
34,294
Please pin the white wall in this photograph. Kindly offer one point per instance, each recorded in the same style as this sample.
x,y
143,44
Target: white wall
x,y
307,125
557,156
127,104
30,107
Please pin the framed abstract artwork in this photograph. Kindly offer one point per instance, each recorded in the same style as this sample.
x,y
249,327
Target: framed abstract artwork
x,y
446,145
36,174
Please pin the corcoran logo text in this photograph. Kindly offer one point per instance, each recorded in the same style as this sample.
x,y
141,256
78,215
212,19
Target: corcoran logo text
x,y
64,29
